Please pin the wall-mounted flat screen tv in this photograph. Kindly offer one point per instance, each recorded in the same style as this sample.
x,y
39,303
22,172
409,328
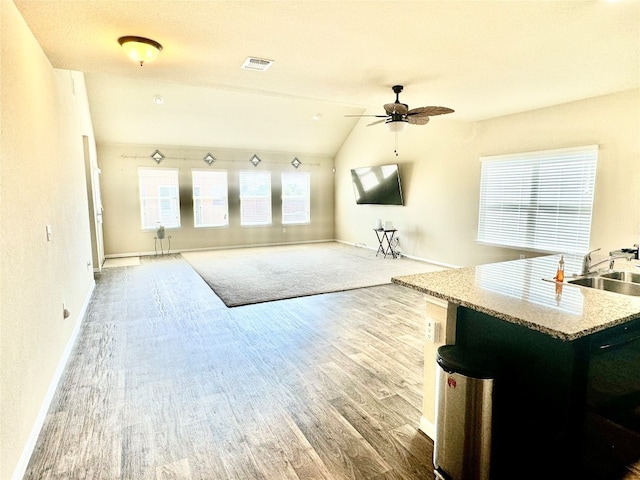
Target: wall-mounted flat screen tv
x,y
379,185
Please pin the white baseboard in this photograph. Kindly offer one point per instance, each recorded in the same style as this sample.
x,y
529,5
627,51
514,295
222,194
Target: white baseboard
x,y
428,428
432,262
204,249
27,451
228,247
412,257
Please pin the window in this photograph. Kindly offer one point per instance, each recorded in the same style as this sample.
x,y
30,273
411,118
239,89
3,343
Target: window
x,y
295,198
255,198
539,201
159,199
210,202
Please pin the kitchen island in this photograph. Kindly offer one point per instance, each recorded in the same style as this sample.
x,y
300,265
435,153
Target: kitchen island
x,y
553,388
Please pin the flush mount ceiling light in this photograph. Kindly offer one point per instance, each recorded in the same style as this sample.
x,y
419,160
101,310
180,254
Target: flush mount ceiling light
x,y
140,49
295,162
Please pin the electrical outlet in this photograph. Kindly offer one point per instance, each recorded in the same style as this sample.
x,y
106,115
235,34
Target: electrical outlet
x,y
432,330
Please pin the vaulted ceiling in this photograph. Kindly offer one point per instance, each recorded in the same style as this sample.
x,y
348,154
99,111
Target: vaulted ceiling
x,y
482,58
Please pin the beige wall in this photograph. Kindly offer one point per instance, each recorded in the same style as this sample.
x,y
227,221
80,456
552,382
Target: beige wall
x,y
440,172
44,114
42,183
122,224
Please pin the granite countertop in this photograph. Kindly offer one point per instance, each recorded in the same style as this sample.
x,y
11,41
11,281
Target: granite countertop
x,y
520,292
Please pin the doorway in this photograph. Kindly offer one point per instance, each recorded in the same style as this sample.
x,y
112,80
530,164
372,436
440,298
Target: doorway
x,y
92,176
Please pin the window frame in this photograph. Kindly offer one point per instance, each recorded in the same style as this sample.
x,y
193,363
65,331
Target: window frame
x,y
538,201
221,197
244,198
145,199
306,199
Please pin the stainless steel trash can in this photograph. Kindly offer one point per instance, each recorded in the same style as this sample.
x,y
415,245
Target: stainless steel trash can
x,y
464,415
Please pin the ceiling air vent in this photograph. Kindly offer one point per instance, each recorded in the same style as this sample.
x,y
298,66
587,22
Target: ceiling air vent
x,y
259,64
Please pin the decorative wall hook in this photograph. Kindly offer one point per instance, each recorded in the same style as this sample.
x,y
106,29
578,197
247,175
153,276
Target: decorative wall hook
x,y
209,159
157,156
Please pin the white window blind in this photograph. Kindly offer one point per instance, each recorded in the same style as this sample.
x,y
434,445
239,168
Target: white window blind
x,y
159,198
540,201
255,198
296,198
210,198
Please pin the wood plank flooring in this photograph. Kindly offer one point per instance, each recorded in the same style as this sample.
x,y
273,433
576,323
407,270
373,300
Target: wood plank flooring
x,y
168,383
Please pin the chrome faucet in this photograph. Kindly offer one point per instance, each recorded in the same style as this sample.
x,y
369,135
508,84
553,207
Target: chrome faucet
x,y
586,261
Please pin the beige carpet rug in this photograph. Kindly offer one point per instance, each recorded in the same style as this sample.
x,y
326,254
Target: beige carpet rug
x,y
244,276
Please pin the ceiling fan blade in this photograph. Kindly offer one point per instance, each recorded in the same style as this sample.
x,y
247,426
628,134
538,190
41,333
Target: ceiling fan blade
x,y
429,111
376,122
398,108
418,120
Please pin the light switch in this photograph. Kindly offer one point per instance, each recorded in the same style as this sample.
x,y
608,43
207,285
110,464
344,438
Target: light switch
x,y
49,233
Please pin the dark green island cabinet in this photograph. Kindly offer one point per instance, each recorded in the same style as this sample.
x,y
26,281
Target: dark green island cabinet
x,y
567,390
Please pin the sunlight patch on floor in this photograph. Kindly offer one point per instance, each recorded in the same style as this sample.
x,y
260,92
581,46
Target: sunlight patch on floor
x,y
121,262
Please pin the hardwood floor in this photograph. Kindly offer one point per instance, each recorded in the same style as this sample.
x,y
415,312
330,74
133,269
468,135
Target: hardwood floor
x,y
166,382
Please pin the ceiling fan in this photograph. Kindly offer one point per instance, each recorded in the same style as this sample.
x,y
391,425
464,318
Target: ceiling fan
x,y
398,114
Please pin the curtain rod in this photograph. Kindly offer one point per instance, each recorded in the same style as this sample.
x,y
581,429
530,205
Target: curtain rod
x,y
137,157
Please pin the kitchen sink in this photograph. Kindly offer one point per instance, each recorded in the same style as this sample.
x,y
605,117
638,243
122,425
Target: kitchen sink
x,y
602,282
623,276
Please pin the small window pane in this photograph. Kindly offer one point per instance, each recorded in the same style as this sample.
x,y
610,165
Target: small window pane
x,y
255,198
210,198
159,197
295,198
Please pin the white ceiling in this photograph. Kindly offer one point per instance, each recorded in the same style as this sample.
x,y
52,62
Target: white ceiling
x,y
483,58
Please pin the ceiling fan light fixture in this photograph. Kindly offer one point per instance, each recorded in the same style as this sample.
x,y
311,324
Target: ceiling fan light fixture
x,y
396,126
140,49
397,115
